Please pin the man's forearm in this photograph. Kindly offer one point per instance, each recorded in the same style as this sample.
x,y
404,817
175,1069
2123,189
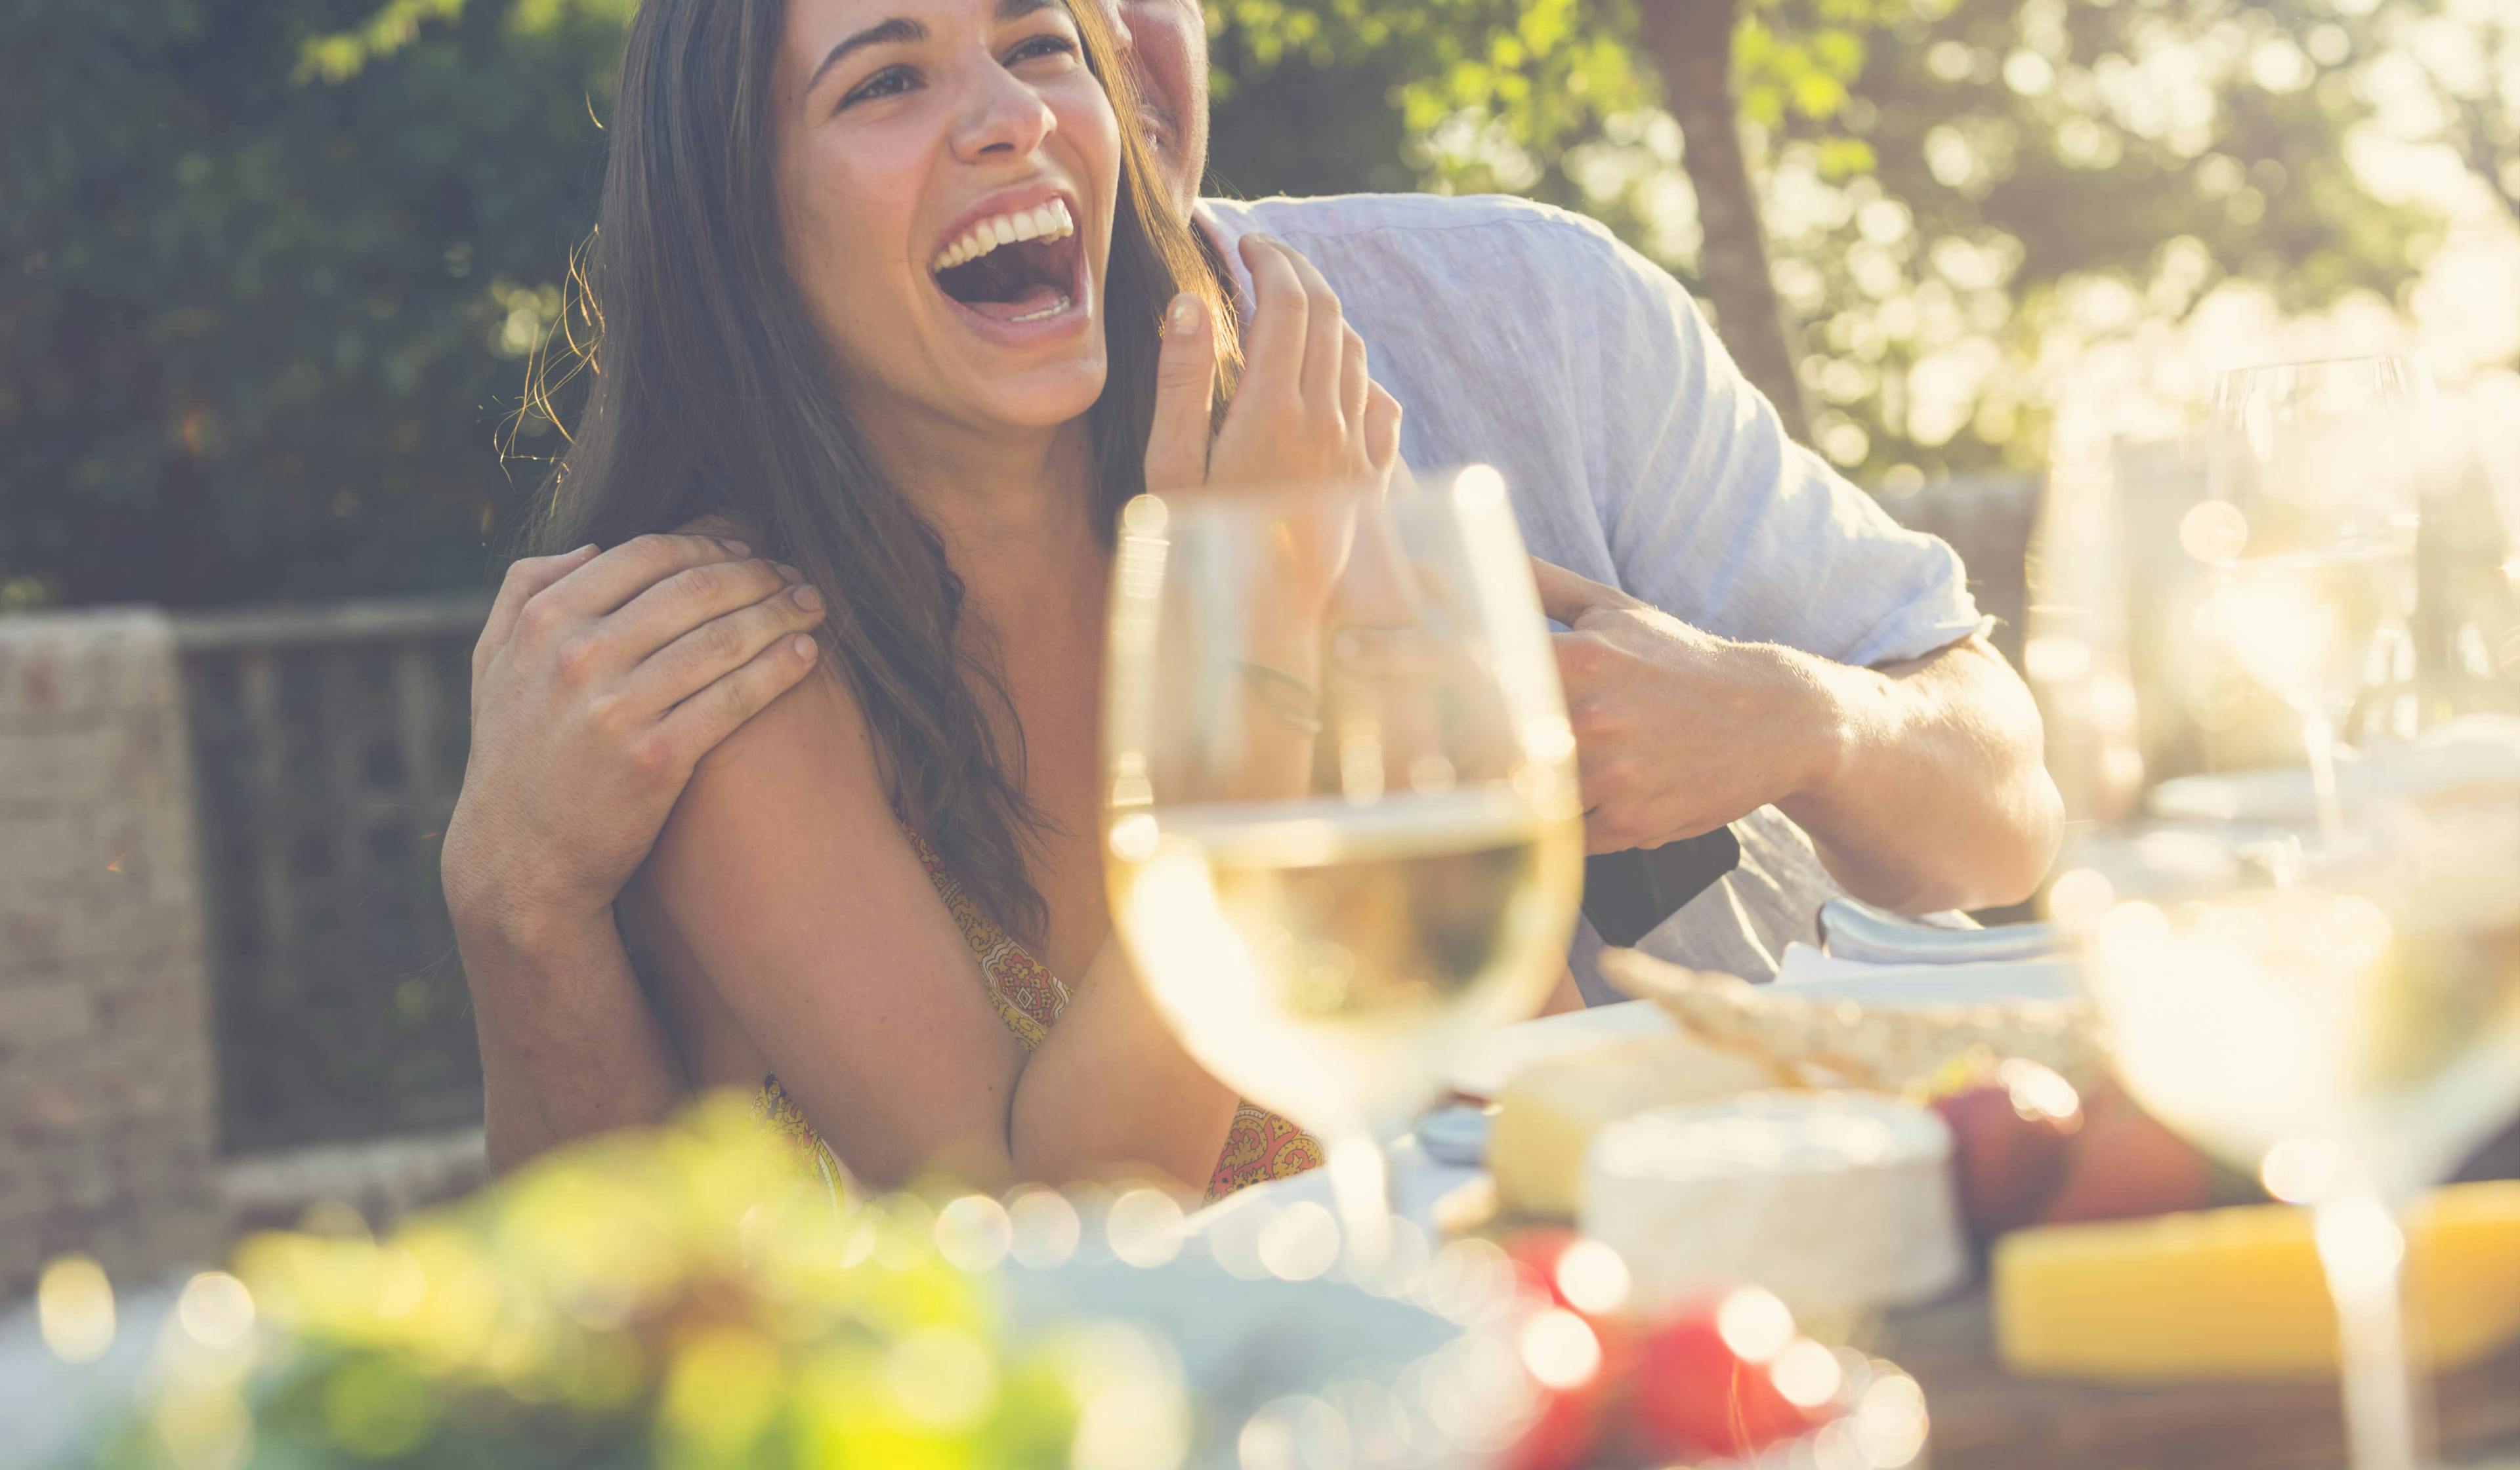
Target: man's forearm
x,y
569,1046
1936,796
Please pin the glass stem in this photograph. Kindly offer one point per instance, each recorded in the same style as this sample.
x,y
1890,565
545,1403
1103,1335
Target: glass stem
x,y
1360,1181
2318,742
2363,1249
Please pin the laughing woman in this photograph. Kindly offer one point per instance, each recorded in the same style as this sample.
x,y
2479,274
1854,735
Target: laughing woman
x,y
883,289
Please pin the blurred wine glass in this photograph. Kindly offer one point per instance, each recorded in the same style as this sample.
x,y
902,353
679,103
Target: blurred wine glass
x,y
1343,833
2307,544
2336,1009
2080,649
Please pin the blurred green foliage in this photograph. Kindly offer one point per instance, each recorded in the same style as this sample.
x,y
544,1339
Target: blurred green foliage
x,y
274,264
684,1298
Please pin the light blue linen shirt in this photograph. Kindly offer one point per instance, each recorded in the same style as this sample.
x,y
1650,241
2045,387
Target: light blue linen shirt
x,y
1529,338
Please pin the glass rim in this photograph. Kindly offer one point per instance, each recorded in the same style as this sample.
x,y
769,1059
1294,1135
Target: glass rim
x,y
2342,360
2411,368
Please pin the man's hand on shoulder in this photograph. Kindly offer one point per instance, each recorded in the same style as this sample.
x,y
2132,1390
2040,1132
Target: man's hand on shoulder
x,y
598,684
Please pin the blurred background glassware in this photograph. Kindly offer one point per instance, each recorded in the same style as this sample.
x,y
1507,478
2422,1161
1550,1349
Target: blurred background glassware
x,y
2318,475
1344,837
2334,1008
2147,611
2081,649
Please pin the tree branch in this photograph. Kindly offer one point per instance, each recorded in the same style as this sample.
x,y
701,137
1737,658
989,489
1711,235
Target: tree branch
x,y
1690,42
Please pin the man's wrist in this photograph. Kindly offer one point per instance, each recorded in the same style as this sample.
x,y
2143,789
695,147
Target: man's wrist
x,y
533,940
1818,723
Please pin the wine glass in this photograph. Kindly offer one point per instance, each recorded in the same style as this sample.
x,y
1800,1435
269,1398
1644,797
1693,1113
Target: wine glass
x,y
2080,652
1344,834
2316,475
2337,1011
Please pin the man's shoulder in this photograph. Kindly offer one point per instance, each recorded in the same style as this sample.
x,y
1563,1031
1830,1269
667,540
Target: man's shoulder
x,y
1421,223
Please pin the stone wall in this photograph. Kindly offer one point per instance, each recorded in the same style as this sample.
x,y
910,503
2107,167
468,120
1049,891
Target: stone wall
x,y
107,1116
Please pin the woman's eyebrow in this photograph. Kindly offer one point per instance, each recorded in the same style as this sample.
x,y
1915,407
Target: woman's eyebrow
x,y
901,28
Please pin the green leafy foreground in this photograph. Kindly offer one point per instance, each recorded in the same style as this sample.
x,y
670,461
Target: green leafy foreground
x,y
680,1299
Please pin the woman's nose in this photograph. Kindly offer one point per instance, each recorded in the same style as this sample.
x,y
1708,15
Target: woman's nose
x,y
1006,118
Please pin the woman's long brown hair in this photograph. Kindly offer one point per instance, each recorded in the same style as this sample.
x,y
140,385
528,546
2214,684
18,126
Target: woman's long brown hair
x,y
708,391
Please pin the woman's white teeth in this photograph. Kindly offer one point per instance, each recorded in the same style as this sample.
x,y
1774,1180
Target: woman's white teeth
x,y
1050,221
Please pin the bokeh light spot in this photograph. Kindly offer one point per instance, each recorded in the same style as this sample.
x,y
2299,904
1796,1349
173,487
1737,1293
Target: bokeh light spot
x,y
74,1309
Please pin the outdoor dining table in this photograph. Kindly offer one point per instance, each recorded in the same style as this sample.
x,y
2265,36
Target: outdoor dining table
x,y
1984,1418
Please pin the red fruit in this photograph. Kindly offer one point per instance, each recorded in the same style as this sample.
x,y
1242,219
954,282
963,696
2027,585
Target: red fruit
x,y
2125,1164
1578,1368
1694,1395
1565,1435
1534,1252
1571,1270
2011,1141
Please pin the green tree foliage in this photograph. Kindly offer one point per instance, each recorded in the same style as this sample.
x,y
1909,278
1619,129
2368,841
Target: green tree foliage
x,y
1960,195
2052,177
272,265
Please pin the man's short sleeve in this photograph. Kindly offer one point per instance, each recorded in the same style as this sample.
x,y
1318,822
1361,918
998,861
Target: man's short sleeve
x,y
1716,515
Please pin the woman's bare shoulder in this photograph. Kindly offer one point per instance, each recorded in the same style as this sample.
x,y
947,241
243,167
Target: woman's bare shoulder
x,y
806,762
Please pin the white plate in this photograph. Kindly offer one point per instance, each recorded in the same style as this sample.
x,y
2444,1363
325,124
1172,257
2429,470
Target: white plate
x,y
1485,1069
2477,752
1815,976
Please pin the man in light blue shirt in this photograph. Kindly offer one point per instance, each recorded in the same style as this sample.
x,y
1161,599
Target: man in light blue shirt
x,y
1750,640
1639,458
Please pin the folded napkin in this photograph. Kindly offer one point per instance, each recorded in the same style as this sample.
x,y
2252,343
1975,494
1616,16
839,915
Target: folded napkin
x,y
1806,971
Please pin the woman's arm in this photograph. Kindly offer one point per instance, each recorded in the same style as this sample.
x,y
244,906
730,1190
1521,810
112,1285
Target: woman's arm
x,y
785,879
1113,1086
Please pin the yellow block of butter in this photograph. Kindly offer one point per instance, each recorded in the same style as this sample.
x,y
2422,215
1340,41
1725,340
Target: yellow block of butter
x,y
1548,1114
2237,1293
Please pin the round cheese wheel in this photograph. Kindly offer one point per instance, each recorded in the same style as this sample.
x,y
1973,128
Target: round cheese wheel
x,y
1549,1115
1837,1202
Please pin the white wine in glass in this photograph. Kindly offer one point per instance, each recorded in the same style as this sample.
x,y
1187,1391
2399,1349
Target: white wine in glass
x,y
1343,833
2342,1019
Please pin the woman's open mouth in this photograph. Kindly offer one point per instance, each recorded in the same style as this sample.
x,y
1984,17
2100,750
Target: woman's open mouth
x,y
1017,268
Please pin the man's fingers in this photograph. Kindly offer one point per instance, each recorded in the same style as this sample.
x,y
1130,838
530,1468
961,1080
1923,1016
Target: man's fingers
x,y
1185,395
1567,595
1274,358
525,577
698,724
1603,835
688,602
691,663
612,579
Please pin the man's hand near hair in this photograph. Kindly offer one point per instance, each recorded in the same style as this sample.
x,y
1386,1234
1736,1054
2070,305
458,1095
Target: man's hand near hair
x,y
1920,783
598,683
